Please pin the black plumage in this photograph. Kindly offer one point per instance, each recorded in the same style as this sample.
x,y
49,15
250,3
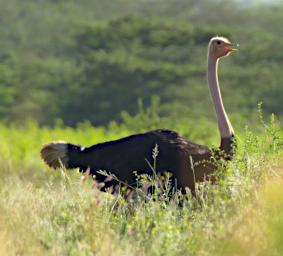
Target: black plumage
x,y
186,161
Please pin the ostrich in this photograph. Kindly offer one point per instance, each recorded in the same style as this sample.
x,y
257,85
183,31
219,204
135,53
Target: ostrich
x,y
126,156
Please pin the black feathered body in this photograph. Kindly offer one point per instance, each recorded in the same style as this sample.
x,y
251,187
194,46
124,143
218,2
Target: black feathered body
x,y
132,154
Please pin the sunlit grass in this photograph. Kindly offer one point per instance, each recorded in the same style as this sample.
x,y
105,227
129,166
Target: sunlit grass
x,y
47,212
257,229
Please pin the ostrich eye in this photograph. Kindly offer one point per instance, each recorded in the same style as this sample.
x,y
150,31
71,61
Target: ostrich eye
x,y
218,42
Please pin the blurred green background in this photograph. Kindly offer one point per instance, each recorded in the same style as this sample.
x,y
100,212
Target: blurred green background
x,y
91,60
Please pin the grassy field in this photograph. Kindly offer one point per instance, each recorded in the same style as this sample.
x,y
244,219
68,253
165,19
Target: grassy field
x,y
47,212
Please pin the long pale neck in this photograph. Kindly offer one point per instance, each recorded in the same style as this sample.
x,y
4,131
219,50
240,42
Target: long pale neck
x,y
224,125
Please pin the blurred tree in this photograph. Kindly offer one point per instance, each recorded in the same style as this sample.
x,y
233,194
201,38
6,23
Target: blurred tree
x,y
91,60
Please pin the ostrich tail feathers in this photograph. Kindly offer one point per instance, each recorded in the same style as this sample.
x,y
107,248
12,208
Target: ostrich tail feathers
x,y
54,154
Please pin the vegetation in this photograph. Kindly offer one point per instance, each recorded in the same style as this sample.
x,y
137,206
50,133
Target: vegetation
x,y
90,71
46,212
87,60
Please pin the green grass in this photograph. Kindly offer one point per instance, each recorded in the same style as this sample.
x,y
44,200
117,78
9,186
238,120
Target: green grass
x,y
47,212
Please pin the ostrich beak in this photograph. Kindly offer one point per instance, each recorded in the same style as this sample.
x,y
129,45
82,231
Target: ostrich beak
x,y
232,47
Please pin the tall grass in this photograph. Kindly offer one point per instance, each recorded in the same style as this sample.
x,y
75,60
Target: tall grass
x,y
46,212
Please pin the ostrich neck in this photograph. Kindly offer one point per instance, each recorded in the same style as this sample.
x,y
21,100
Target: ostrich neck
x,y
224,125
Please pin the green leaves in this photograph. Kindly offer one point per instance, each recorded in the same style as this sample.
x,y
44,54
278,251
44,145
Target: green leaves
x,y
91,61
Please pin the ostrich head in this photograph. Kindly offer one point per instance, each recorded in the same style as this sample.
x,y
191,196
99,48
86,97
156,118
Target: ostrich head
x,y
220,46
